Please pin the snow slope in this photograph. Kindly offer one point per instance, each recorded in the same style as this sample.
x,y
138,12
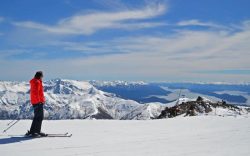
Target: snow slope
x,y
191,136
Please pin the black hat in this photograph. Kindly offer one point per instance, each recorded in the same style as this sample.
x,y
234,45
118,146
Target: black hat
x,y
38,75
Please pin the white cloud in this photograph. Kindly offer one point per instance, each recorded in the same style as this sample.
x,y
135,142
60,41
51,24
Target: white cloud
x,y
183,45
90,23
171,57
175,57
195,22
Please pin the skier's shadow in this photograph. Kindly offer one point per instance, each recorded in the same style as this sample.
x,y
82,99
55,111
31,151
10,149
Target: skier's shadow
x,y
13,139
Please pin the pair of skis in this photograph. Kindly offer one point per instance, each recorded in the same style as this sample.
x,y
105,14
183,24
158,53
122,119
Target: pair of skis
x,y
66,135
13,122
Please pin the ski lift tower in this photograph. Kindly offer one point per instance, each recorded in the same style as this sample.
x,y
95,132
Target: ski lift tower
x,y
177,101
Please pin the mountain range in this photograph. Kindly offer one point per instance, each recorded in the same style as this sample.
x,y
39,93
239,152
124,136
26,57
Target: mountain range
x,y
70,99
120,100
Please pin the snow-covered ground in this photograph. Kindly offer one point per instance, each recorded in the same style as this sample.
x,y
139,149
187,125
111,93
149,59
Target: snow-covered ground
x,y
190,136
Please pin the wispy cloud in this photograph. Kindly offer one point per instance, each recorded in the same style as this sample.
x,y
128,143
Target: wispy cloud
x,y
184,44
175,52
182,54
195,22
86,24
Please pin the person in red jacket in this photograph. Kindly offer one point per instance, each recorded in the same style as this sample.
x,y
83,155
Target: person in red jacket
x,y
37,100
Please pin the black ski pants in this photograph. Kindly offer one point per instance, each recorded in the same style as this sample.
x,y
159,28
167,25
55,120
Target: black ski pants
x,y
38,118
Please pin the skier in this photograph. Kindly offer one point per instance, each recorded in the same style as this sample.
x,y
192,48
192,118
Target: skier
x,y
37,100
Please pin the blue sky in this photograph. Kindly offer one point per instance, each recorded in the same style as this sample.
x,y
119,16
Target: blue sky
x,y
151,40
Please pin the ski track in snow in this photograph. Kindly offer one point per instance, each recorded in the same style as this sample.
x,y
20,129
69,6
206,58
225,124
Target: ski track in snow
x,y
190,136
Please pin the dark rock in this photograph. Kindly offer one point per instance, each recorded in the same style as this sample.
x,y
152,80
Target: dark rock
x,y
193,108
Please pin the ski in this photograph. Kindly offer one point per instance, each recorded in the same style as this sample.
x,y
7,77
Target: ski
x,y
58,135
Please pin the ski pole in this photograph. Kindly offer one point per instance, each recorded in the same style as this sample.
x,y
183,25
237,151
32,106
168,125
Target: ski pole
x,y
11,126
11,122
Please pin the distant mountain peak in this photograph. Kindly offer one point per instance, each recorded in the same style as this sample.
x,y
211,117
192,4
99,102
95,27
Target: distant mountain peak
x,y
117,83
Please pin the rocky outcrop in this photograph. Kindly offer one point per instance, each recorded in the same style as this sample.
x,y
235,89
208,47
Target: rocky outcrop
x,y
202,107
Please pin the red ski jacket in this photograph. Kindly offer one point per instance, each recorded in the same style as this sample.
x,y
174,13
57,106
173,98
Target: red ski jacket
x,y
36,91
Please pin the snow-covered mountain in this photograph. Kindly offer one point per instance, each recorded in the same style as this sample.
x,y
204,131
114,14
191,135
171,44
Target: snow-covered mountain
x,y
70,99
117,83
